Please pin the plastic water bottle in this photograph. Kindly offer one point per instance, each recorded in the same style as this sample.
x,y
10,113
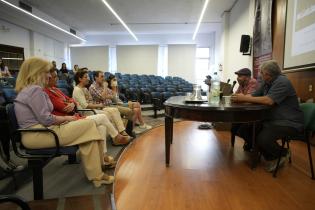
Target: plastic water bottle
x,y
215,89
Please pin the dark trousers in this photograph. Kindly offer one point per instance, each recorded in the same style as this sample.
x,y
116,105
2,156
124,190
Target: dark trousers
x,y
267,135
245,130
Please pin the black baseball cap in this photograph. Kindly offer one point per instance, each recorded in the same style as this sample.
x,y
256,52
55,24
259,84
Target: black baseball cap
x,y
244,71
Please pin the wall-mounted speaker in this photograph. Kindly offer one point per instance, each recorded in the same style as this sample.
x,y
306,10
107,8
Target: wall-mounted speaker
x,y
245,43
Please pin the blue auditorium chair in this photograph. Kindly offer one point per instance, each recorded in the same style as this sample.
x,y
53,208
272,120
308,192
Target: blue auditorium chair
x,y
65,91
156,100
166,95
118,75
9,95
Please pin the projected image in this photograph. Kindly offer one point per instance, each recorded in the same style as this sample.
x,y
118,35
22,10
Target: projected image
x,y
303,30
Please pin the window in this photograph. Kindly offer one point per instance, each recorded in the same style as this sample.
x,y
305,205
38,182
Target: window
x,y
163,61
202,66
112,59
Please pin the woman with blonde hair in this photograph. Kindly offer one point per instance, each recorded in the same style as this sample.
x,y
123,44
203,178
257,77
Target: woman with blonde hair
x,y
33,109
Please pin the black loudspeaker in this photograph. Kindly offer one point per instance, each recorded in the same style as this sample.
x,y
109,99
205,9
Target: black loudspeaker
x,y
245,42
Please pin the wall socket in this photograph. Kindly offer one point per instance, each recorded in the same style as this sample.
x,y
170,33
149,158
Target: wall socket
x,y
310,88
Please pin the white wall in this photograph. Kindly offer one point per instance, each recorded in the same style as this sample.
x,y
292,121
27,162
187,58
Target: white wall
x,y
95,58
181,61
49,49
34,44
15,36
235,23
140,59
202,39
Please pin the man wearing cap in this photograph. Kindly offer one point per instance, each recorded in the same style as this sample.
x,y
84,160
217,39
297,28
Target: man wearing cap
x,y
247,85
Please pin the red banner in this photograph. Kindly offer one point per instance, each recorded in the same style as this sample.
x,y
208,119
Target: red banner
x,y
262,36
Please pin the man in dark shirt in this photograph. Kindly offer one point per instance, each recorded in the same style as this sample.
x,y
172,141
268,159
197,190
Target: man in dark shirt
x,y
285,117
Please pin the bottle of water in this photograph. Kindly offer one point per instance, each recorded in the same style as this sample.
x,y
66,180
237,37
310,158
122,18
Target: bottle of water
x,y
215,89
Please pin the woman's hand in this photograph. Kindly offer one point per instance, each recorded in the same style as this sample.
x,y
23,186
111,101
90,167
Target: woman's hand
x,y
69,108
70,118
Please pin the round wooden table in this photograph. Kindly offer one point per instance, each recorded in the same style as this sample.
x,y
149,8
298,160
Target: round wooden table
x,y
177,107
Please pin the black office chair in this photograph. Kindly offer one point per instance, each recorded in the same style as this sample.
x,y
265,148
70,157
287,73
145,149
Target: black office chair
x,y
37,158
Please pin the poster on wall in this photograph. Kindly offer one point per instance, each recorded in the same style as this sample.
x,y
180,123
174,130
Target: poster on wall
x,y
262,37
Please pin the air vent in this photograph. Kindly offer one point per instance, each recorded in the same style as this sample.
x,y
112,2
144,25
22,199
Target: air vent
x,y
73,31
25,6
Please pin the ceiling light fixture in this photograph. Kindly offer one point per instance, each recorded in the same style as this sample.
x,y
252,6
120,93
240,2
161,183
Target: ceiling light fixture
x,y
42,20
200,19
120,20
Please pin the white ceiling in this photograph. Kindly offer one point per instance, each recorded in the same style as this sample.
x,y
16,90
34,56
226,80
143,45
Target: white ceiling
x,y
91,17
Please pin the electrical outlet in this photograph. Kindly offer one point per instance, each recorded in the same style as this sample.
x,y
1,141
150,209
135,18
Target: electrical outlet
x,y
310,88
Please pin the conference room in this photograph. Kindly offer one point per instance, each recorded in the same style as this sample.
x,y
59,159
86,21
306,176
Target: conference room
x,y
157,104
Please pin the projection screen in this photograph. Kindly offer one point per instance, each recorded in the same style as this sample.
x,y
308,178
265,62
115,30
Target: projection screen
x,y
300,35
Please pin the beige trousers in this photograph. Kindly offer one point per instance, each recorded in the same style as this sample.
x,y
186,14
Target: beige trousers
x,y
80,132
127,112
114,116
104,126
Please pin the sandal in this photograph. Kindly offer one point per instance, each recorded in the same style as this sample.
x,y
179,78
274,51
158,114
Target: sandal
x,y
106,179
124,133
109,162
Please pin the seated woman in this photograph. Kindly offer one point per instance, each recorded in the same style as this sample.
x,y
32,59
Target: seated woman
x,y
33,109
84,99
63,106
135,106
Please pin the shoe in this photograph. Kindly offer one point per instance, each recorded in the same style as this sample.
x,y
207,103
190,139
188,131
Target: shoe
x,y
138,130
121,140
106,179
247,147
145,126
272,165
124,133
109,162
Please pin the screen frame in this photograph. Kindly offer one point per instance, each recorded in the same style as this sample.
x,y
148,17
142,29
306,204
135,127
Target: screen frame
x,y
305,67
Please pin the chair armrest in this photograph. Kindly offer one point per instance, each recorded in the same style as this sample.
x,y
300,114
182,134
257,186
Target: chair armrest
x,y
156,102
87,110
16,135
14,199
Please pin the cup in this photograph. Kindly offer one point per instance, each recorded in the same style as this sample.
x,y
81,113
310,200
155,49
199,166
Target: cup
x,y
188,96
227,100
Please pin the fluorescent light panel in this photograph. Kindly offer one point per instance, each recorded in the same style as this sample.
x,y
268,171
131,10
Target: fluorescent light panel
x,y
120,20
19,59
200,19
42,20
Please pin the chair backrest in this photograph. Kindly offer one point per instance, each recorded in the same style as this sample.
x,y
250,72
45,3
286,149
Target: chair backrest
x,y
12,118
9,94
65,91
309,115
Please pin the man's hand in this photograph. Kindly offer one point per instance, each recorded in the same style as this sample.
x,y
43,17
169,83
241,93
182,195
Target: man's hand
x,y
239,98
69,108
105,95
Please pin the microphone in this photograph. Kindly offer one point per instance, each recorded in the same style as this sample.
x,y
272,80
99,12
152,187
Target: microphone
x,y
234,83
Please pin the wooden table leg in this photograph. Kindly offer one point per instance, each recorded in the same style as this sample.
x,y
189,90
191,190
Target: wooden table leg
x,y
255,148
168,138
